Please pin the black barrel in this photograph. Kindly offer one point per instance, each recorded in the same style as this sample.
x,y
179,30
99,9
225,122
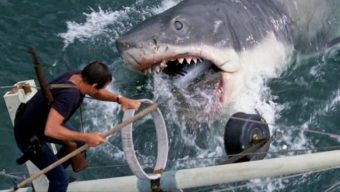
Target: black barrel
x,y
240,131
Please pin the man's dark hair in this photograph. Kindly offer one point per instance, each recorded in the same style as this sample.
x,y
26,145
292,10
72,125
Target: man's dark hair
x,y
96,72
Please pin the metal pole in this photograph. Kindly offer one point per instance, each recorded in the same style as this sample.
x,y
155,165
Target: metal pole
x,y
257,169
214,175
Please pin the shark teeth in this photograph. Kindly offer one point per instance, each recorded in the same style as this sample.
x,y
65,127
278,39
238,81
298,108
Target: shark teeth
x,y
164,63
157,68
188,60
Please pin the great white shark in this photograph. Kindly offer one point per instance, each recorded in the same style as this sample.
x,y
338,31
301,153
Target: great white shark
x,y
236,37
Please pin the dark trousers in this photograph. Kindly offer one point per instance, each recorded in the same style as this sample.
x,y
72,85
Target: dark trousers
x,y
57,177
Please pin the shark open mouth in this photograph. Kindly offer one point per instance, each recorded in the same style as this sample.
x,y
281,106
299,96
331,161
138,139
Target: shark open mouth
x,y
197,75
195,82
186,72
172,66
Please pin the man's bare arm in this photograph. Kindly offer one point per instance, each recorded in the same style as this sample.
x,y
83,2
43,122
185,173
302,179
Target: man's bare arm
x,y
55,129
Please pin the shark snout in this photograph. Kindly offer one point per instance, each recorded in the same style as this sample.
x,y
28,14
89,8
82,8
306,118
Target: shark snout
x,y
123,44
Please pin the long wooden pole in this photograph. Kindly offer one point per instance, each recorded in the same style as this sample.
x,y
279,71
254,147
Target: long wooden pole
x,y
118,127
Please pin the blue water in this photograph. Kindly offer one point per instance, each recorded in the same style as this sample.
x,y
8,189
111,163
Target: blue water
x,y
69,34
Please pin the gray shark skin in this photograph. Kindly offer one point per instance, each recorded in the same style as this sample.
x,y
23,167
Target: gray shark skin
x,y
217,32
224,24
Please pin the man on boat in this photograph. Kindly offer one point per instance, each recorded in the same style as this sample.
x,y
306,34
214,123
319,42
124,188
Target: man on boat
x,y
39,121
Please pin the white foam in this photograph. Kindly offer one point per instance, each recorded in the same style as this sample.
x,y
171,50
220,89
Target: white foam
x,y
95,24
311,17
336,100
166,4
329,106
262,63
103,115
254,94
100,116
259,65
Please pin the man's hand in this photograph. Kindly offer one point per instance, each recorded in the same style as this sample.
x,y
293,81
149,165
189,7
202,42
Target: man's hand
x,y
127,103
94,139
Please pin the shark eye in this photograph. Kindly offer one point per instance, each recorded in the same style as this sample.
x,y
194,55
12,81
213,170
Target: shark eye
x,y
178,25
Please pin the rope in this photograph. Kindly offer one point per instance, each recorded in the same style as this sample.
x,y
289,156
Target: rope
x,y
2,173
11,175
7,87
219,157
36,87
12,86
331,135
275,178
334,187
331,189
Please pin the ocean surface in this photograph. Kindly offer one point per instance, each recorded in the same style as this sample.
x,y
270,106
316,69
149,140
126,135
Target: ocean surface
x,y
68,34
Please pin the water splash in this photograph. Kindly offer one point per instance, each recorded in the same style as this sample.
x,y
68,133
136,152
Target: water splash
x,y
165,4
96,23
101,116
109,23
190,139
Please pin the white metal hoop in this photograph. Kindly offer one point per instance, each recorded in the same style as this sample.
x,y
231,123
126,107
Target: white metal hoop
x,y
162,144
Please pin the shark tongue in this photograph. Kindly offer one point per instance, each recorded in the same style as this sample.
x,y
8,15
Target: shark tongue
x,y
197,87
191,72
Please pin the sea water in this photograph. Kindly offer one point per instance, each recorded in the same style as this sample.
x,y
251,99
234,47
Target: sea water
x,y
67,35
